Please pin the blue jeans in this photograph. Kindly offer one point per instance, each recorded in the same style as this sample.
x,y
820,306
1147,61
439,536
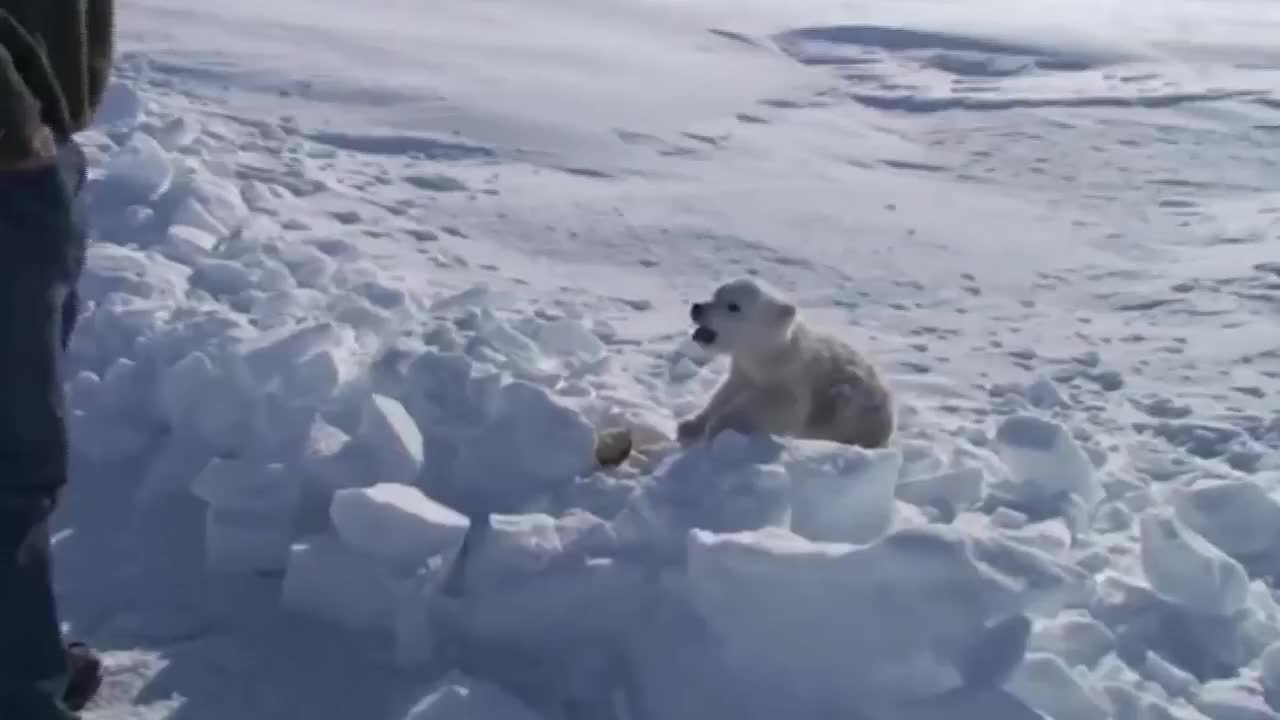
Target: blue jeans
x,y
42,248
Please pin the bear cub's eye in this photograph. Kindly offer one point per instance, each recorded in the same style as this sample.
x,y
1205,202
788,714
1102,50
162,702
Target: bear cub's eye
x,y
733,307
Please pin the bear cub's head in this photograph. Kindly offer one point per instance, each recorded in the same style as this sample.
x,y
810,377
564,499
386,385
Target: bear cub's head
x,y
743,317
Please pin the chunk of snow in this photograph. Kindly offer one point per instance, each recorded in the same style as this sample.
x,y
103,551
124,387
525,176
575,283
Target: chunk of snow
x,y
1237,516
139,172
521,355
176,132
956,489
568,337
272,354
1075,637
322,374
1044,393
252,506
1045,683
321,456
1187,569
209,202
247,484
186,244
513,546
112,268
221,277
310,267
245,539
396,522
359,313
329,580
1175,681
1269,667
841,493
169,470
734,483
534,443
1234,699
1045,461
389,435
207,404
121,109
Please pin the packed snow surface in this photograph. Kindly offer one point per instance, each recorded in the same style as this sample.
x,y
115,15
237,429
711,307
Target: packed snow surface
x,y
364,286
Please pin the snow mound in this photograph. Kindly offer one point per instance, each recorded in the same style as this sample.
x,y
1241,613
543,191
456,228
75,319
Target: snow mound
x,y
843,621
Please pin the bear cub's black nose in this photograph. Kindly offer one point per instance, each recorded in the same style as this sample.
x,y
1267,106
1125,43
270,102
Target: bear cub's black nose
x,y
695,312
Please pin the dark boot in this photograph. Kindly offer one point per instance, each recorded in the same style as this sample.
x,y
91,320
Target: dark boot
x,y
84,676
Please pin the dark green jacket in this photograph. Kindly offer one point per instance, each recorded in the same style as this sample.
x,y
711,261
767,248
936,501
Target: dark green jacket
x,y
55,56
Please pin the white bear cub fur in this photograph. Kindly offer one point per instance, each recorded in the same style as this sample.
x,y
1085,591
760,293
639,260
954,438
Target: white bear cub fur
x,y
785,378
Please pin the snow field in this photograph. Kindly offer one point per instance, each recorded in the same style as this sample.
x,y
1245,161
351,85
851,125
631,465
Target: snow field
x,y
416,465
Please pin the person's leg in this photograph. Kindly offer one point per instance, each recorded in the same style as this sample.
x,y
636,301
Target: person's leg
x,y
41,248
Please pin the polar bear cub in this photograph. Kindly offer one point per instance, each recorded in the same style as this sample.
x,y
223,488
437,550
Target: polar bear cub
x,y
785,378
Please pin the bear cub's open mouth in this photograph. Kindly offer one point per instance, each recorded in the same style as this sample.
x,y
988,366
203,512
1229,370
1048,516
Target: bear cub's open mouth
x,y
704,335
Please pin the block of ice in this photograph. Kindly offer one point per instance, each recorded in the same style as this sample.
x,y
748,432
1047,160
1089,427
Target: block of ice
x,y
1238,516
391,438
512,547
570,338
1075,637
139,172
310,267
228,483
396,522
170,470
113,268
329,580
1045,683
1045,461
1173,680
272,354
209,198
221,277
207,404
1269,668
955,490
733,484
1188,570
322,374
247,539
187,245
1234,699
520,355
535,443
841,493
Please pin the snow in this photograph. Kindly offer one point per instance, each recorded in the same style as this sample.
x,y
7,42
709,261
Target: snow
x,y
364,289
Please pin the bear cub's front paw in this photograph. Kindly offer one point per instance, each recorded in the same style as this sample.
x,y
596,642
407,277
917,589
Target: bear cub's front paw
x,y
690,430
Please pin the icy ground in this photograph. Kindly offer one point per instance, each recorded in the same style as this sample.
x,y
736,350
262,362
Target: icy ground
x,y
365,281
